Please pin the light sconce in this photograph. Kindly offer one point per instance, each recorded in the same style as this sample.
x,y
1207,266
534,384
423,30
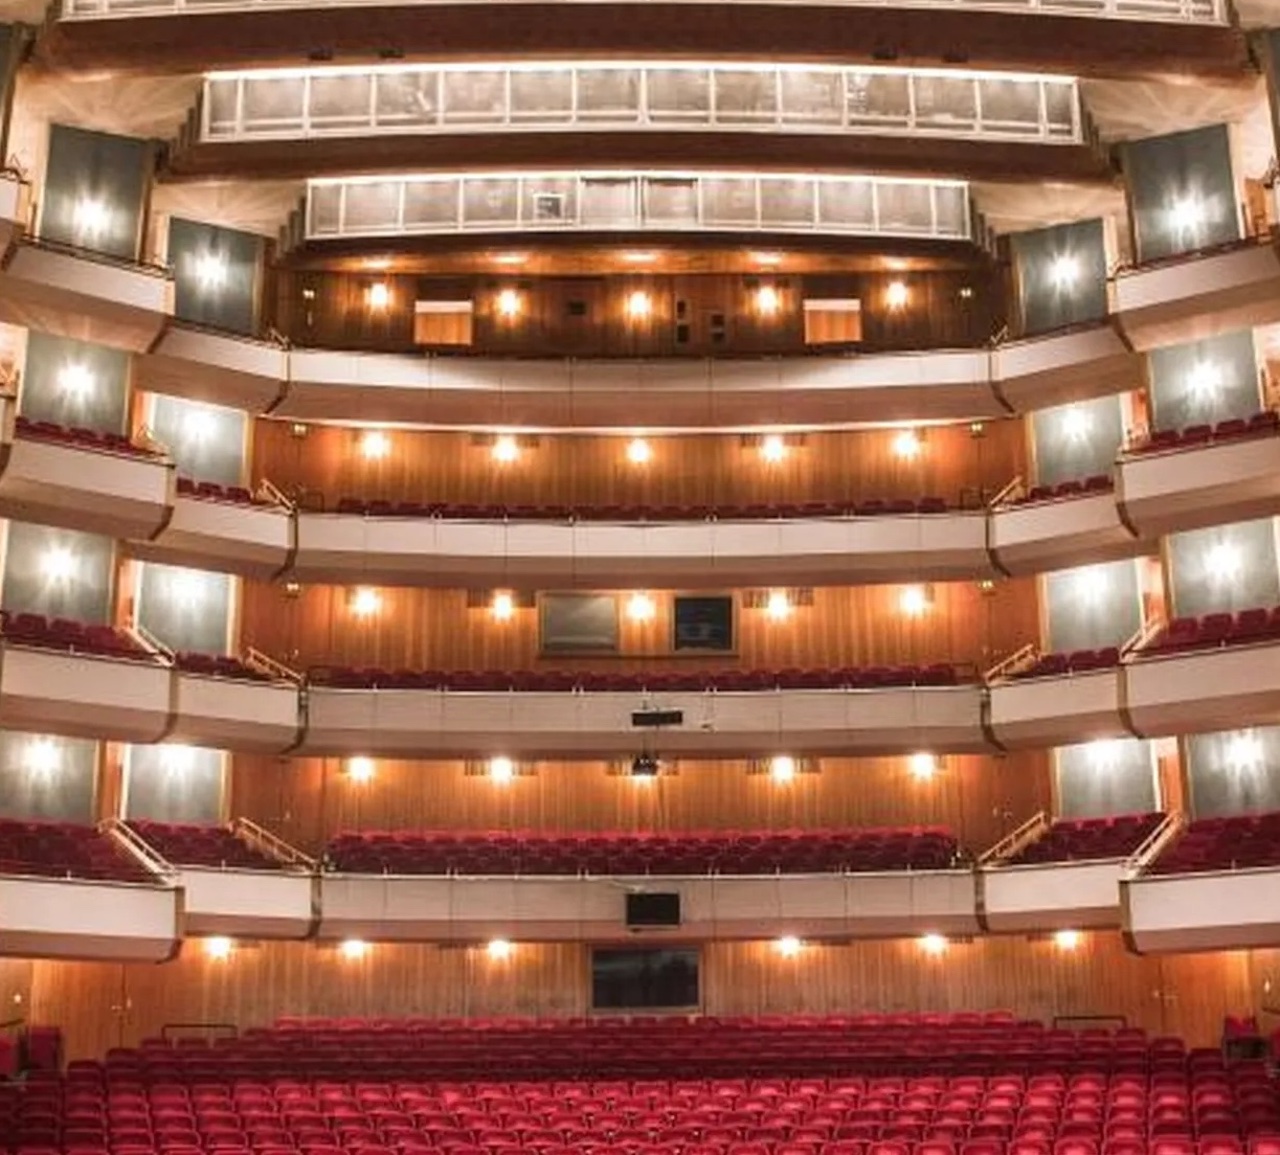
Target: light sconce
x,y
782,768
768,301
778,606
379,296
641,608
639,451
374,445
639,305
907,445
1204,380
914,601
788,946
773,448
923,766
502,770
218,948
360,769
509,304
365,602
354,949
498,949
897,295
933,944
1066,940
503,606
505,449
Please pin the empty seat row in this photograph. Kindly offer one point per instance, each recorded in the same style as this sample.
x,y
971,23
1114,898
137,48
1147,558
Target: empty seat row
x,y
852,678
1075,662
81,438
1261,424
219,666
1084,839
917,848
207,846
1216,629
1063,490
1230,843
617,511
26,629
212,491
65,850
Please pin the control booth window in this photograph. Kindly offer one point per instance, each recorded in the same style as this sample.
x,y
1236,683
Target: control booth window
x,y
644,979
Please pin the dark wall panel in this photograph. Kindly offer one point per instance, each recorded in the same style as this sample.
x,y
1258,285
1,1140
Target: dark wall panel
x,y
58,572
216,275
1204,381
1061,275
1076,441
75,383
95,190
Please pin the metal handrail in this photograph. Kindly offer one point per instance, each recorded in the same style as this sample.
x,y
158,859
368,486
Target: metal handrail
x,y
1143,636
1154,844
1016,839
1019,657
275,846
272,492
139,848
145,635
1015,488
256,659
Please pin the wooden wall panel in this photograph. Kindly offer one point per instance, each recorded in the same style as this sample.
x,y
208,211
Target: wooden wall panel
x,y
102,1005
328,463
691,315
435,629
309,800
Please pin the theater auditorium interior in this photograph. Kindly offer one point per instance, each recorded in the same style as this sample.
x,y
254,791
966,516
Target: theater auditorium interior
x,y
639,577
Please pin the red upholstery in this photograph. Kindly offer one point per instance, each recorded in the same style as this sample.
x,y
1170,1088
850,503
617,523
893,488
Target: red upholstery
x,y
967,1084
1232,843
212,491
1064,490
76,637
217,846
1076,662
81,438
65,850
621,512
1218,629
218,666
723,852
1263,424
1080,839
871,677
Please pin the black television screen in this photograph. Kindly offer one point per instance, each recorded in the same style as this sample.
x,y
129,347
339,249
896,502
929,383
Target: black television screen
x,y
653,910
637,979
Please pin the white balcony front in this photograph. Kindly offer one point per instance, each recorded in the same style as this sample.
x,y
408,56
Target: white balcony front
x,y
1213,484
1047,535
218,368
1213,910
1198,296
1057,711
83,695
436,723
577,909
1056,368
423,551
72,293
248,904
1204,690
91,920
120,495
233,714
1039,898
252,540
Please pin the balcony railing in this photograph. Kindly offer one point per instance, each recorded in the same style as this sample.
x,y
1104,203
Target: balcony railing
x,y
1166,11
305,103
632,201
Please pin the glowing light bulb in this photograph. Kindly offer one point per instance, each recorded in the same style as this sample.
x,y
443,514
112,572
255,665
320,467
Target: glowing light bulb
x,y
933,944
499,949
896,296
505,449
374,445
360,769
218,948
778,607
913,601
773,448
788,946
1066,939
503,606
923,766
379,296
907,445
639,451
782,768
354,949
639,305
768,301
641,608
366,602
509,304
501,770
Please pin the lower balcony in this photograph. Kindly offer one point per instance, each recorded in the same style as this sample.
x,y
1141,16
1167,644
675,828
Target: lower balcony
x,y
1213,910
1030,536
1030,708
258,714
1056,368
214,367
251,539
461,909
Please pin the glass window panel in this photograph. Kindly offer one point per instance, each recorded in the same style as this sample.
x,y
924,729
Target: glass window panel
x,y
952,204
812,97
340,101
726,201
407,97
542,95
877,97
609,93
786,202
1060,107
746,96
672,202
474,97
904,208
847,204
945,100
550,201
220,104
679,93
371,206
273,102
490,201
324,209
431,204
608,203
1011,105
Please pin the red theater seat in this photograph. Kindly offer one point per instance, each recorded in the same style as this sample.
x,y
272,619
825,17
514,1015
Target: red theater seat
x,y
80,438
36,630
1079,839
208,846
65,850
1241,841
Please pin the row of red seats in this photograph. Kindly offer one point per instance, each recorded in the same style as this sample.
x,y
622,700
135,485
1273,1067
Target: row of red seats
x,y
65,850
1217,629
82,438
209,846
26,629
1233,843
212,491
919,848
1265,423
754,511
1057,665
852,678
1064,490
219,666
1084,839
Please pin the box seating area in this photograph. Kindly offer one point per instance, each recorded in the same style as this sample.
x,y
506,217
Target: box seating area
x,y
219,666
25,629
1234,843
81,438
497,511
1218,629
212,491
868,1085
65,850
852,678
720,852
1075,662
1260,424
209,846
1086,839
1064,490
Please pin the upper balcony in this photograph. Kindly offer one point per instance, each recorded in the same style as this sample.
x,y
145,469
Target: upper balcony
x,y
308,122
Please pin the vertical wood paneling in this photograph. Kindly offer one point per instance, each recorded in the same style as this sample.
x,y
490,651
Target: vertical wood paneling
x,y
308,800
589,470
435,629
102,1005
